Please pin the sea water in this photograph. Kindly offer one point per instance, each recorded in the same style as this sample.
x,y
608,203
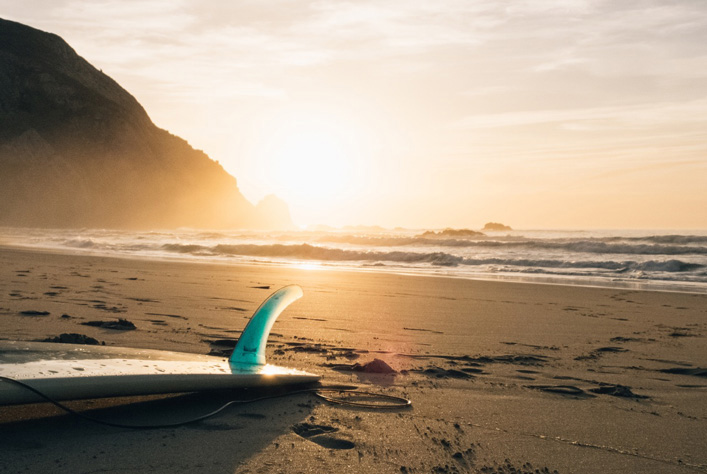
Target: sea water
x,y
645,259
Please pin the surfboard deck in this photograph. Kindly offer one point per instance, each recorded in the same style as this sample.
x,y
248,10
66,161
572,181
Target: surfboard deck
x,y
70,371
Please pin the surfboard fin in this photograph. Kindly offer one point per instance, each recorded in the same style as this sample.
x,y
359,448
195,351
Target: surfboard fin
x,y
250,349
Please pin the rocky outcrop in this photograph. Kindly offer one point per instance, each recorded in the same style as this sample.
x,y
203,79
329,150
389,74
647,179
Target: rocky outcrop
x,y
77,150
495,227
271,212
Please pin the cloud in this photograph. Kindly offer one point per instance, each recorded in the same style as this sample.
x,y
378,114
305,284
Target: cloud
x,y
633,116
580,67
449,37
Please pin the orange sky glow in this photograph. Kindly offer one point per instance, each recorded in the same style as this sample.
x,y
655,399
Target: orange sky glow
x,y
542,114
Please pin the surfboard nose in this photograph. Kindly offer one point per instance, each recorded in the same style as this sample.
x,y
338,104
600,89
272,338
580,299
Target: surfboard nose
x,y
250,349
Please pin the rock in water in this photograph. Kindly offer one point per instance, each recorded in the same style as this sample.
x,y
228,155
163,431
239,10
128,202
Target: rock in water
x,y
495,226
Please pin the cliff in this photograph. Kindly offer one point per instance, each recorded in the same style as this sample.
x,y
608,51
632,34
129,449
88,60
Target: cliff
x,y
77,150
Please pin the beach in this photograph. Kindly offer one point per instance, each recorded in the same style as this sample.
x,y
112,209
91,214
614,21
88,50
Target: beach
x,y
503,377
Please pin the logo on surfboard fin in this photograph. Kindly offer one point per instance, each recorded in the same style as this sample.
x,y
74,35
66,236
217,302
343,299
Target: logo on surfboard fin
x,y
250,349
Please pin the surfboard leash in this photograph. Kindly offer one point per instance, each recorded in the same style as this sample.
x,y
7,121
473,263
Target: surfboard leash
x,y
361,399
348,395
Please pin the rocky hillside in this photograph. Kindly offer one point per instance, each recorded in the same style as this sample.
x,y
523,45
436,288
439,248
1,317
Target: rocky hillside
x,y
77,150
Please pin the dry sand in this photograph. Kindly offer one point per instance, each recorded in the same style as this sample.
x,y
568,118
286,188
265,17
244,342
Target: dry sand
x,y
504,377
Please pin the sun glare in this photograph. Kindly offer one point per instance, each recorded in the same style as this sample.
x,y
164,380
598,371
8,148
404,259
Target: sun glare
x,y
314,160
312,163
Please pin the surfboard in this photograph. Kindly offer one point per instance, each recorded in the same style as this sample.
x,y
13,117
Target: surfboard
x,y
72,372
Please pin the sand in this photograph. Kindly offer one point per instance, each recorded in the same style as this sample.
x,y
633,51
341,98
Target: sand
x,y
503,377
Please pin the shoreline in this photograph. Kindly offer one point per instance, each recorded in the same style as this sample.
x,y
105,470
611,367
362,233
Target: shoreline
x,y
557,280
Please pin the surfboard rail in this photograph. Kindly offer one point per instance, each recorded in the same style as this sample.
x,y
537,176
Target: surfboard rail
x,y
71,372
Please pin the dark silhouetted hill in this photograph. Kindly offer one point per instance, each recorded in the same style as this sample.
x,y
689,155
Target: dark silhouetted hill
x,y
77,150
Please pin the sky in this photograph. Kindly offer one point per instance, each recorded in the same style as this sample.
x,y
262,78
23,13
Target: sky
x,y
536,114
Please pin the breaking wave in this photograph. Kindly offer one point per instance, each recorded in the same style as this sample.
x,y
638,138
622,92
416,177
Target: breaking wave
x,y
655,245
610,257
313,252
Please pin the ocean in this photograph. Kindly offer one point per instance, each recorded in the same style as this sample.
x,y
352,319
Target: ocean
x,y
633,259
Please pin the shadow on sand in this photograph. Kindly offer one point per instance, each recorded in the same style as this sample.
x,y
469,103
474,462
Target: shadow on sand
x,y
41,438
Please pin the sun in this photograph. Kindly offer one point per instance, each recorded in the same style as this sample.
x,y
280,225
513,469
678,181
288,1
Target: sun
x,y
312,163
315,161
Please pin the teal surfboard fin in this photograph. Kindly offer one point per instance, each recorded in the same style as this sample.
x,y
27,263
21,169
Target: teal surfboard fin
x,y
250,349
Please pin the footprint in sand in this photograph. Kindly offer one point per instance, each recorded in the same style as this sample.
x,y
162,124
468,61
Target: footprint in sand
x,y
567,390
320,434
616,391
697,371
34,313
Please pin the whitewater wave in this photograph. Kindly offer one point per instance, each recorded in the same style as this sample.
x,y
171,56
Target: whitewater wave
x,y
666,239
600,247
587,246
604,256
596,246
80,243
313,252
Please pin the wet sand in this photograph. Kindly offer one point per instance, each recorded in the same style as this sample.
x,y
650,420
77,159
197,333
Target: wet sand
x,y
503,377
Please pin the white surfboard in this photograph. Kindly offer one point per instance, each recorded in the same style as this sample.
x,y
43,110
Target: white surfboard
x,y
71,371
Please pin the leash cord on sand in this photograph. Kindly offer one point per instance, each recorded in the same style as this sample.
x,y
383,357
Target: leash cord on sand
x,y
392,402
